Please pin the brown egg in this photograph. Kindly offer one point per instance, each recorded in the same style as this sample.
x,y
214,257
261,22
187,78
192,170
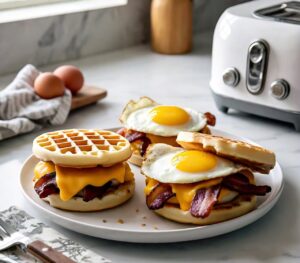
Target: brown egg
x,y
48,86
71,76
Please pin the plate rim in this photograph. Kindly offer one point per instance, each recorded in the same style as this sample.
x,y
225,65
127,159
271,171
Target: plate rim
x,y
248,218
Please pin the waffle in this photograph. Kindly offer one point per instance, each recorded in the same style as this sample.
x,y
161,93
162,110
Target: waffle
x,y
132,106
257,158
82,148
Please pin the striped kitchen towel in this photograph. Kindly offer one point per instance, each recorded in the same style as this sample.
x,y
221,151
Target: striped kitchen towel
x,y
21,110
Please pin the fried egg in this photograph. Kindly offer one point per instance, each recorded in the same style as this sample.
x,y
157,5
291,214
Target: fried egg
x,y
165,120
168,164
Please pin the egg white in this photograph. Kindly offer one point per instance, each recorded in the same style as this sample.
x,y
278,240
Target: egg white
x,y
158,166
141,121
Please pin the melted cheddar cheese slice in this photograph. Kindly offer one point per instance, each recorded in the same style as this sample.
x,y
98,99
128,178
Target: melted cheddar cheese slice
x,y
185,192
70,181
43,168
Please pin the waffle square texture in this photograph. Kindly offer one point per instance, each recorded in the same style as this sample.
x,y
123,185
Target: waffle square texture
x,y
80,148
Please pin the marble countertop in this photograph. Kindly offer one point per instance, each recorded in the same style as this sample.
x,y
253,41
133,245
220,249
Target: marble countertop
x,y
183,80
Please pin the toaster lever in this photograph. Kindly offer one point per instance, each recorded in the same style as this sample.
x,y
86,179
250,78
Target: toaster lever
x,y
256,66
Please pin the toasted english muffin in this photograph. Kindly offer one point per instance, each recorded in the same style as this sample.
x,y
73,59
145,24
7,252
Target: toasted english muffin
x,y
238,207
136,159
255,157
111,199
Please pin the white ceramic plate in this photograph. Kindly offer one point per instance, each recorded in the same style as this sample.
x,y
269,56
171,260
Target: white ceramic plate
x,y
133,222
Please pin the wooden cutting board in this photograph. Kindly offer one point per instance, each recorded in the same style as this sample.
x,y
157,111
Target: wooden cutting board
x,y
87,95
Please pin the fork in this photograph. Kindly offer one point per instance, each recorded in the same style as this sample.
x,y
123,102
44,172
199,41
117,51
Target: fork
x,y
11,237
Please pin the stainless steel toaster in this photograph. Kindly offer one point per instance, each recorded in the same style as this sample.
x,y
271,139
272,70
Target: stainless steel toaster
x,y
256,60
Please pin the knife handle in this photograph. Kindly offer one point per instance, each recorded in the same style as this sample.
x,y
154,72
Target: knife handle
x,y
47,254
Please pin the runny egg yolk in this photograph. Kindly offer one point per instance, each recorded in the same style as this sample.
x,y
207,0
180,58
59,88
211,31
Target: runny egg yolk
x,y
194,161
169,115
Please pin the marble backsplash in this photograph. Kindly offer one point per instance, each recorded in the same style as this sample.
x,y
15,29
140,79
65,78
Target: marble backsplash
x,y
207,12
55,39
59,38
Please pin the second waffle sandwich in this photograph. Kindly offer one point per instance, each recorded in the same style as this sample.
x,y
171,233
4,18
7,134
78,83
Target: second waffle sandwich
x,y
209,180
146,122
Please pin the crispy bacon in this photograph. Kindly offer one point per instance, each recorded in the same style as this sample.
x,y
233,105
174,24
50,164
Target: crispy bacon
x,y
131,135
204,201
46,185
240,176
90,192
134,135
236,183
205,198
158,196
145,143
211,119
122,132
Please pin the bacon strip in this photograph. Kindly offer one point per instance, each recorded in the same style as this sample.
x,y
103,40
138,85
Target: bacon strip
x,y
205,198
90,192
145,143
204,201
158,196
46,185
235,183
211,119
122,132
132,136
135,135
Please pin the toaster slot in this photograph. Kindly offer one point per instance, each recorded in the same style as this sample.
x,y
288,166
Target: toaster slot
x,y
256,66
285,12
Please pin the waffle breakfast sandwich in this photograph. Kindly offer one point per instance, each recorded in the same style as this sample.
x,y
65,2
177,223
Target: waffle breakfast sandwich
x,y
146,122
83,170
209,180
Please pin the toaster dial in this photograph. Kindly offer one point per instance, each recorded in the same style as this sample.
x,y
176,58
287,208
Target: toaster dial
x,y
280,89
256,66
231,77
